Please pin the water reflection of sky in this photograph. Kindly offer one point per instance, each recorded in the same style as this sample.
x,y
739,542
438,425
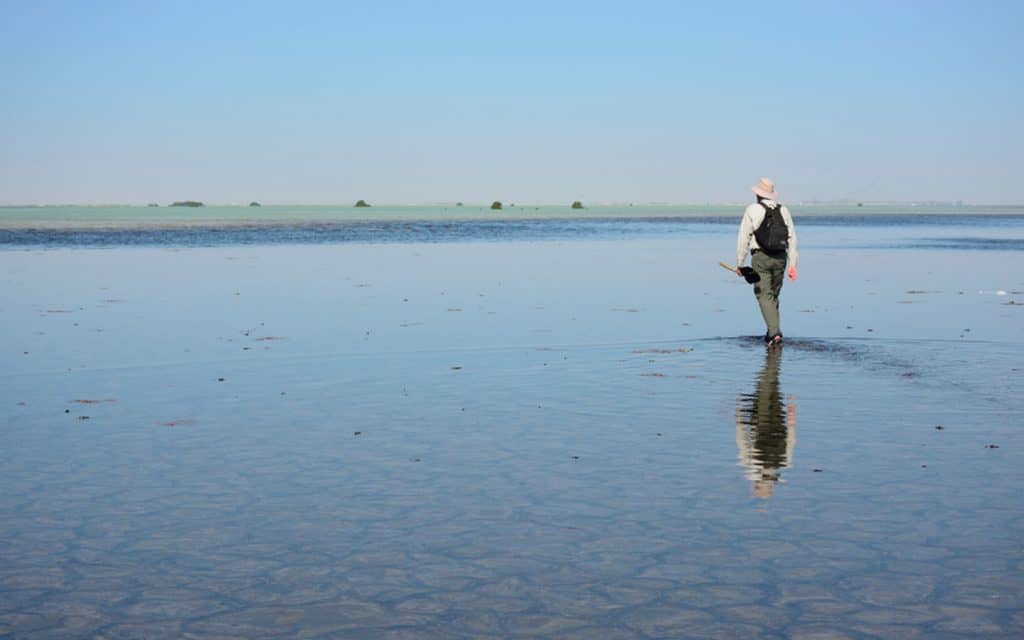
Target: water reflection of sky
x,y
499,439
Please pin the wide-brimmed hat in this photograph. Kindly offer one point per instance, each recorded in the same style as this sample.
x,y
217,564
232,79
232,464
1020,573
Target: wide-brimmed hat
x,y
765,188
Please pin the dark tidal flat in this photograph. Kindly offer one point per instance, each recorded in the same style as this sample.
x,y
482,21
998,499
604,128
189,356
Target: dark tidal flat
x,y
522,439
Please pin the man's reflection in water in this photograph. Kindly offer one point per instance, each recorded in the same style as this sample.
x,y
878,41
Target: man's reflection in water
x,y
765,428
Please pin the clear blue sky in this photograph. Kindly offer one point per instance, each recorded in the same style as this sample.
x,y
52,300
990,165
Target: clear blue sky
x,y
531,102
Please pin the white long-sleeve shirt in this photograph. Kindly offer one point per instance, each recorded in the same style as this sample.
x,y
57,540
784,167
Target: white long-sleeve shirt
x,y
752,219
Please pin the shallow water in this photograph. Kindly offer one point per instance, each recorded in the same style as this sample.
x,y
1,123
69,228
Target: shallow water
x,y
497,439
974,228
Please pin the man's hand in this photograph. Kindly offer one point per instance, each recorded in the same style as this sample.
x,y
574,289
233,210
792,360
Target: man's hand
x,y
739,271
792,272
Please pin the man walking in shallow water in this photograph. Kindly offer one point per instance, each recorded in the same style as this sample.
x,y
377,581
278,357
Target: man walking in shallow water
x,y
767,231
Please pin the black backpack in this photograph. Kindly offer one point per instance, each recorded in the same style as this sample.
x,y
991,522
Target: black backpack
x,y
773,234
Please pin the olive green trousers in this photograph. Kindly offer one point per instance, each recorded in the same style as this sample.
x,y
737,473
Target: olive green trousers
x,y
772,271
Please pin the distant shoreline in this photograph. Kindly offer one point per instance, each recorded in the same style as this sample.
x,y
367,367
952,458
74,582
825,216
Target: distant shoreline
x,y
146,217
441,220
475,205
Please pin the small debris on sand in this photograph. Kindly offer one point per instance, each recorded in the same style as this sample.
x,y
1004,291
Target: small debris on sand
x,y
816,470
654,375
939,427
85,401
83,417
220,379
456,367
991,446
357,433
183,422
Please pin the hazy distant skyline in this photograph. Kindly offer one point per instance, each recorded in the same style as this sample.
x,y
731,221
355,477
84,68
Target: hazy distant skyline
x,y
414,103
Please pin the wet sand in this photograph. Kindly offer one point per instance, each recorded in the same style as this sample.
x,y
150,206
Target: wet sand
x,y
469,440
